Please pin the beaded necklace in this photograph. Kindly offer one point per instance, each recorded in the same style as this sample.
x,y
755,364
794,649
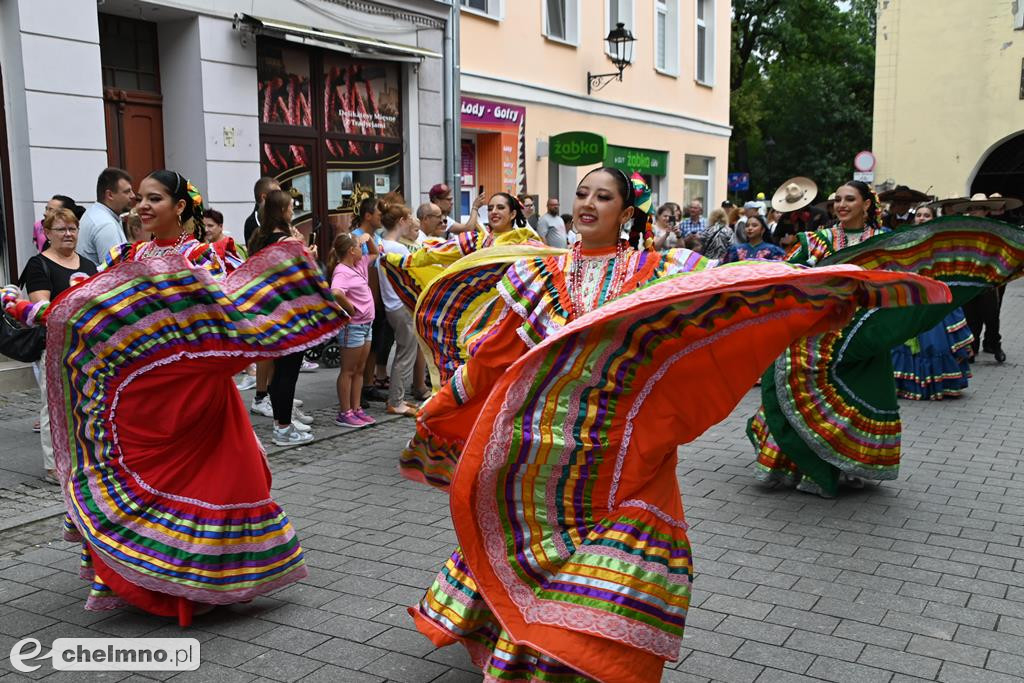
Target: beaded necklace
x,y
152,249
581,303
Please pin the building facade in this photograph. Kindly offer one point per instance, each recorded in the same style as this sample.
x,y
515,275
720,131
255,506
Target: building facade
x,y
524,80
949,96
336,98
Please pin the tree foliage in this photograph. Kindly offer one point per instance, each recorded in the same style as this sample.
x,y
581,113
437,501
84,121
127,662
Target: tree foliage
x,y
802,89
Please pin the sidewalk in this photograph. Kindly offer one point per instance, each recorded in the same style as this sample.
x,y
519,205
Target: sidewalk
x,y
918,579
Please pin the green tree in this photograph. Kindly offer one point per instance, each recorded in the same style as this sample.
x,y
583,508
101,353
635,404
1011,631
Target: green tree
x,y
802,89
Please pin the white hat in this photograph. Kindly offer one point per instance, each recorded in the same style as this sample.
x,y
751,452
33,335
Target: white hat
x,y
794,194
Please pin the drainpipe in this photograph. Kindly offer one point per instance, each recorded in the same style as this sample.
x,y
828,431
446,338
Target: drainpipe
x,y
452,98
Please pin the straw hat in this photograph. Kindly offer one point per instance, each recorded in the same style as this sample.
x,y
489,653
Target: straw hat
x,y
902,193
1009,203
794,194
978,200
943,205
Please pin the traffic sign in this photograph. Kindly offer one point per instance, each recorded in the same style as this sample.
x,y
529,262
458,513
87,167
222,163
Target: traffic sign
x,y
738,182
864,176
864,161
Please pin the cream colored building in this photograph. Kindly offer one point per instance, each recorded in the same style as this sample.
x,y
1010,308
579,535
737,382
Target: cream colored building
x,y
949,95
524,67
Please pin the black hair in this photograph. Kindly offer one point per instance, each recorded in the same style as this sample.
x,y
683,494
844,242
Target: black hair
x,y
625,190
518,212
766,232
70,204
215,215
177,186
108,180
873,212
367,206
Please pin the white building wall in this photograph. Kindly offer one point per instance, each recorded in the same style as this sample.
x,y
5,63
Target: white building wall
x,y
54,101
53,92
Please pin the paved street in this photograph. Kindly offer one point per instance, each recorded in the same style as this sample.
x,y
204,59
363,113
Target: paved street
x,y
917,579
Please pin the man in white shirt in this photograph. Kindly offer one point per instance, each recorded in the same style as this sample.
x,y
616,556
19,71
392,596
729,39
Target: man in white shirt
x,y
100,228
551,227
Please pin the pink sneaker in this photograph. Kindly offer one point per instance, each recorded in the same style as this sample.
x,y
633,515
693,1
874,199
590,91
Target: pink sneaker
x,y
361,415
348,420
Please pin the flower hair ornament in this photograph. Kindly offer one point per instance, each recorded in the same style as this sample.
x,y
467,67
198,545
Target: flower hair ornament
x,y
642,201
876,214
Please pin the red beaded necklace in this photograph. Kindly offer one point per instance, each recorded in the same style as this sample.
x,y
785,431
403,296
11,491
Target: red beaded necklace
x,y
618,280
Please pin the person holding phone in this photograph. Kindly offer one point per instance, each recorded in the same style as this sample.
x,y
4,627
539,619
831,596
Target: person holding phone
x,y
666,233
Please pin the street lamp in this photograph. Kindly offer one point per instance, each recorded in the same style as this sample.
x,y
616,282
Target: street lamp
x,y
769,148
620,46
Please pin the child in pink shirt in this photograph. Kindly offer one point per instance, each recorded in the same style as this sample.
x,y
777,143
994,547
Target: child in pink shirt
x,y
350,285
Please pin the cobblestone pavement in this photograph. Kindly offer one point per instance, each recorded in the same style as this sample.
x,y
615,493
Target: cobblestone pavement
x,y
916,579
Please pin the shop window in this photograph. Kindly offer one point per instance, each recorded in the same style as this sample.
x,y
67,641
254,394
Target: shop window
x,y
495,9
284,85
616,12
704,42
331,131
666,36
697,172
561,19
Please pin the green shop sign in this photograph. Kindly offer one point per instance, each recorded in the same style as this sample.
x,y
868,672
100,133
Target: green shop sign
x,y
627,160
577,148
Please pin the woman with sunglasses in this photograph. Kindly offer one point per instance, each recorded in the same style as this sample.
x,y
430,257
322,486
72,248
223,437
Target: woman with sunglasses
x,y
574,562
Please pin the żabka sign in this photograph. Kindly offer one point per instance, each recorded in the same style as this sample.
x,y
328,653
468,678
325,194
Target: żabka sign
x,y
577,148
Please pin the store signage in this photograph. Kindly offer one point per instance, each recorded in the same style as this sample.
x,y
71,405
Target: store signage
x,y
476,111
577,148
644,161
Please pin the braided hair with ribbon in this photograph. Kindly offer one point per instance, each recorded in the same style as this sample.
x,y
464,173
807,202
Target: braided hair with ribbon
x,y
180,188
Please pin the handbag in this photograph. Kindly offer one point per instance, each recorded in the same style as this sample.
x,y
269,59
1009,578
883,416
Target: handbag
x,y
25,344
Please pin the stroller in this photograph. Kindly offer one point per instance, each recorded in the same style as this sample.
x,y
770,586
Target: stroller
x,y
327,354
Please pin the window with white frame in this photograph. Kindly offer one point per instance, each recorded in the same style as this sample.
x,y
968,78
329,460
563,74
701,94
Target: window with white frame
x,y
616,12
495,9
1018,16
666,36
561,19
697,173
705,42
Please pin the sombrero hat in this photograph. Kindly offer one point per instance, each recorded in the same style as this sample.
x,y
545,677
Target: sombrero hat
x,y
978,200
794,194
902,193
945,204
1009,203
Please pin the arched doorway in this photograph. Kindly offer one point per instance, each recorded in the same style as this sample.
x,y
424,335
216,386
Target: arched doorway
x,y
1002,170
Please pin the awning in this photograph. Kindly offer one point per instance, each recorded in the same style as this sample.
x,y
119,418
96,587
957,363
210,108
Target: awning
x,y
359,46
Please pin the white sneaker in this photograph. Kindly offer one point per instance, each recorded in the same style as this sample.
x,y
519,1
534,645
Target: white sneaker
x,y
300,417
289,436
300,426
261,407
298,402
247,382
309,366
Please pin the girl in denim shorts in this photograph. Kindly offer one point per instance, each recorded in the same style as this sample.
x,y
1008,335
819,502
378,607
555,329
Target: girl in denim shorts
x,y
350,286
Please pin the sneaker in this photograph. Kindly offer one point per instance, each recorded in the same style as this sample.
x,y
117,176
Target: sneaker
x,y
299,426
246,383
290,436
309,366
299,416
363,417
403,409
262,407
298,402
348,420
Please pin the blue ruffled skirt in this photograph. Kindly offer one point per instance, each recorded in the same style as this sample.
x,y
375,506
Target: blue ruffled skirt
x,y
934,365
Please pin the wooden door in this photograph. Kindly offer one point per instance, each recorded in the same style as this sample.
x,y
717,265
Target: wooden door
x,y
135,131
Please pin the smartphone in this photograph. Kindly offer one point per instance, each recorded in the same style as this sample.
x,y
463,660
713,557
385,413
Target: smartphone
x,y
313,239
480,189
